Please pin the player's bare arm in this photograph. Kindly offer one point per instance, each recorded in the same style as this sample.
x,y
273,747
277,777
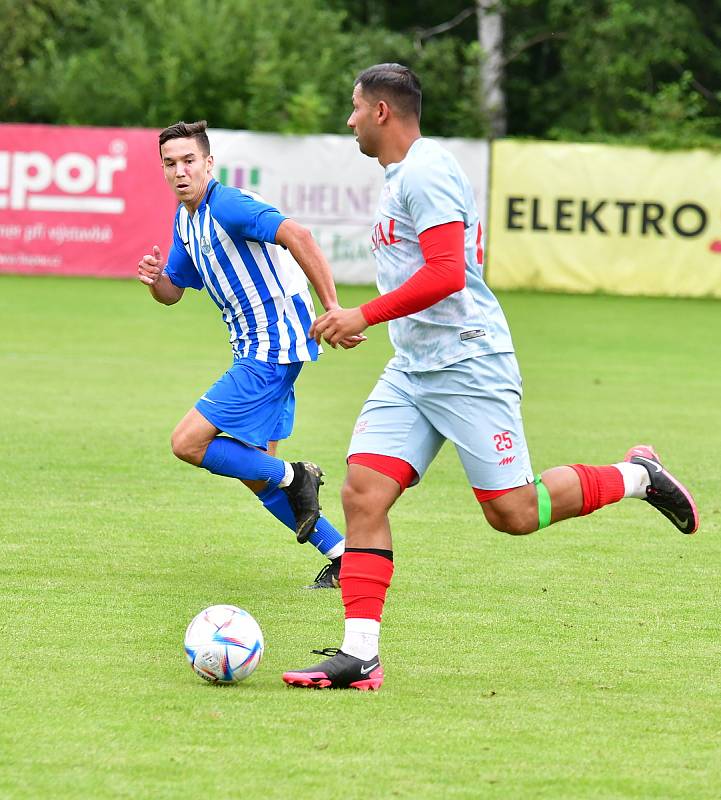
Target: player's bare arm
x,y
150,272
305,251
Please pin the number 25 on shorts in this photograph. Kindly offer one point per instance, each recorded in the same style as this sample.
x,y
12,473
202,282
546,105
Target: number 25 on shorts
x,y
503,441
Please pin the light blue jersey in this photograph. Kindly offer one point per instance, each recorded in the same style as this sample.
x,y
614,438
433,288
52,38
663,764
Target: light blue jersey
x,y
454,375
426,189
228,246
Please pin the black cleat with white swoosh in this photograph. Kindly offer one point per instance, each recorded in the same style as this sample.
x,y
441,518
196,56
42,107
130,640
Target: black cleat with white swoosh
x,y
340,671
665,493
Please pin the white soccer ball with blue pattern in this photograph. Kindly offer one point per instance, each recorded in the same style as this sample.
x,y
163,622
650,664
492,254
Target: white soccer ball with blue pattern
x,y
224,644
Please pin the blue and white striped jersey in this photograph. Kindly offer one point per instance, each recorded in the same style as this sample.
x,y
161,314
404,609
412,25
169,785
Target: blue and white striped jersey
x,y
228,246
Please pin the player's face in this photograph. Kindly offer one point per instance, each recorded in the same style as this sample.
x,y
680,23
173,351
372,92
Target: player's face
x,y
362,122
186,169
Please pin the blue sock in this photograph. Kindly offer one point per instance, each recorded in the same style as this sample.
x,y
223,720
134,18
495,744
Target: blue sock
x,y
325,537
234,459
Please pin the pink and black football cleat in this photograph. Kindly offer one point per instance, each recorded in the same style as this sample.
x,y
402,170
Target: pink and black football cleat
x,y
340,671
666,493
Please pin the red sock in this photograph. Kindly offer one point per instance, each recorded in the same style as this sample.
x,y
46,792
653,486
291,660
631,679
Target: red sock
x,y
600,486
364,581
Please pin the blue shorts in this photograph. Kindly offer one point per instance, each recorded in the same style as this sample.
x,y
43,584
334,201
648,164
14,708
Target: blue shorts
x,y
474,403
253,401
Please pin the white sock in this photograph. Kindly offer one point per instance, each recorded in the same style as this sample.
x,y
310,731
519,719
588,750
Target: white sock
x,y
361,638
635,479
336,550
288,477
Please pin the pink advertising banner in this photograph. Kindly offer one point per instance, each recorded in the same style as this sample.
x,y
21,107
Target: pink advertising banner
x,y
81,201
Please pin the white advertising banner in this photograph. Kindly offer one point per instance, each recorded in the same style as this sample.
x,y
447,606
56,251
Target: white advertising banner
x,y
325,183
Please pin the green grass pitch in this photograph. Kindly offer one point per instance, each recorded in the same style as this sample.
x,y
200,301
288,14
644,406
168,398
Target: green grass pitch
x,y
582,662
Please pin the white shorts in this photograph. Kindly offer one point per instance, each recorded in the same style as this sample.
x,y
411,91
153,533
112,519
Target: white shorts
x,y
474,403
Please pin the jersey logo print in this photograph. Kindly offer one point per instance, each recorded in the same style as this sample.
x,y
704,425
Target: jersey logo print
x,y
474,334
504,462
379,236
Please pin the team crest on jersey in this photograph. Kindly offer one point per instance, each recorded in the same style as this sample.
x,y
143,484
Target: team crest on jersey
x,y
205,246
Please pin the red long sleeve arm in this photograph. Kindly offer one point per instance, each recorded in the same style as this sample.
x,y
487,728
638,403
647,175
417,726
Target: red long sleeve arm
x,y
443,274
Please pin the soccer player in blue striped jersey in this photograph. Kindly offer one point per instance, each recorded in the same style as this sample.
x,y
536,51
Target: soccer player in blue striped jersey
x,y
226,241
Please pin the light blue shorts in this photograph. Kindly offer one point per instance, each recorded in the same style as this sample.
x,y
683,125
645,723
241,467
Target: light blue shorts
x,y
253,401
474,403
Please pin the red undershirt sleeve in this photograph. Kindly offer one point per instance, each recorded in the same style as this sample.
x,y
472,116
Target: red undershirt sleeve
x,y
444,273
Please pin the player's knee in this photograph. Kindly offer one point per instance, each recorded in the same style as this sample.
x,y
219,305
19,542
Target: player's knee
x,y
178,445
515,522
360,499
184,447
514,512
353,496
515,527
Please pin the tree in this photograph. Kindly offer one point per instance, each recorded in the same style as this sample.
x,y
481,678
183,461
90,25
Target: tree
x,y
602,68
625,70
28,30
490,39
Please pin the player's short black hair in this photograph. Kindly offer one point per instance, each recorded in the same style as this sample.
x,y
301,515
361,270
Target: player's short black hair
x,y
187,130
395,82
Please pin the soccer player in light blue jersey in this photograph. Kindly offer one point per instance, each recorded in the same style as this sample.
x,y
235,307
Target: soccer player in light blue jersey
x,y
226,241
453,377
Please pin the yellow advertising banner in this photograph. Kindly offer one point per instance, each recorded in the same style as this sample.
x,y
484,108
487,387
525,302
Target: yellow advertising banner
x,y
590,217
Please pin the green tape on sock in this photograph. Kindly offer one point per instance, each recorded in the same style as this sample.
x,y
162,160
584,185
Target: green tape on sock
x,y
544,503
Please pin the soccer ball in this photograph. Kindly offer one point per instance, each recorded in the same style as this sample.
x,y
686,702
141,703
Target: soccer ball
x,y
224,644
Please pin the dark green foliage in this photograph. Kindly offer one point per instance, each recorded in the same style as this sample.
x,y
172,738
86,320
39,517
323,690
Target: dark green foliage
x,y
639,71
608,70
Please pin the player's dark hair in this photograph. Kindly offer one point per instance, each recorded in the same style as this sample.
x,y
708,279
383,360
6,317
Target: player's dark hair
x,y
187,130
395,82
